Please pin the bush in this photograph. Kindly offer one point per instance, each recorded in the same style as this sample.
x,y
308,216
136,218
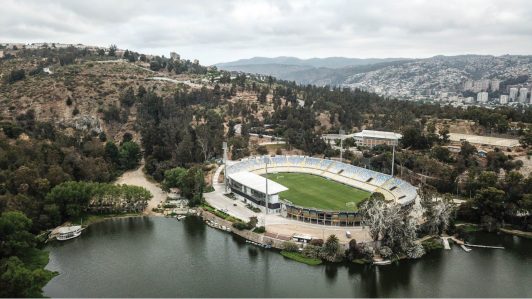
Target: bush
x,y
290,246
15,75
385,252
312,251
262,150
316,242
415,251
240,225
260,230
365,251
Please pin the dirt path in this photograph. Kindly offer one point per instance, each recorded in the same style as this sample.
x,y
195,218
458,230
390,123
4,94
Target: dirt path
x,y
137,178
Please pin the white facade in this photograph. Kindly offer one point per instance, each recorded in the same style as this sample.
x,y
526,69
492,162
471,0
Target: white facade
x,y
495,84
503,99
523,93
513,93
482,97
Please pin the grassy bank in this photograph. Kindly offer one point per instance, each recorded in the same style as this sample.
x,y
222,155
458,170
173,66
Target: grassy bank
x,y
298,257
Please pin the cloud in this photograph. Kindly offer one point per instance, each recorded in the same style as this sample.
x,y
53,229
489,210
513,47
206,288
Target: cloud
x,y
215,31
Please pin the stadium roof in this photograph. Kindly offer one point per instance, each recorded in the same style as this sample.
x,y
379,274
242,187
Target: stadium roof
x,y
257,182
378,134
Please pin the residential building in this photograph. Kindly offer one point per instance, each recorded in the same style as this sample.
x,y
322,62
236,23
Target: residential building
x,y
513,93
503,99
482,97
495,84
523,94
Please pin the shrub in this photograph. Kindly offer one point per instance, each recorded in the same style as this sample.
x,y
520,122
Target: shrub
x,y
290,246
240,225
260,230
15,75
262,150
316,242
415,251
365,251
312,251
385,252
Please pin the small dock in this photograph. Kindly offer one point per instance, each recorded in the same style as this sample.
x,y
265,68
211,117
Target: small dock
x,y
484,246
446,243
465,248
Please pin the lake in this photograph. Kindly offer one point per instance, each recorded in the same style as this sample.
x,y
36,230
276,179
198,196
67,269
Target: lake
x,y
163,257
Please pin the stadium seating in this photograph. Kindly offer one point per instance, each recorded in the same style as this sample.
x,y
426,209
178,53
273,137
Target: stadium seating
x,y
393,188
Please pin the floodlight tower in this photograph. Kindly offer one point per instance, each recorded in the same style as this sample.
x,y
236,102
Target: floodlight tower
x,y
341,133
393,157
266,161
224,146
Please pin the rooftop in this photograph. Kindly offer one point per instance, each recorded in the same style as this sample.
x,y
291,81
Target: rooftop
x,y
257,182
378,134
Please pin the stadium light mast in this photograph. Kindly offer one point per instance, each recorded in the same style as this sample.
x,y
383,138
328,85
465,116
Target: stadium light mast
x,y
393,157
341,133
266,166
224,146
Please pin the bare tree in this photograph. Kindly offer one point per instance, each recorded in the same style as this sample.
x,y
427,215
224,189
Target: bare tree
x,y
437,211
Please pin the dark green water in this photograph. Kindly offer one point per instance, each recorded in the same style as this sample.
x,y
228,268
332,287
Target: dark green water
x,y
159,257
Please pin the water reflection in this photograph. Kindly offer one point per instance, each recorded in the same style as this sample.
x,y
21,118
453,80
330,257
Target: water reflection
x,y
120,257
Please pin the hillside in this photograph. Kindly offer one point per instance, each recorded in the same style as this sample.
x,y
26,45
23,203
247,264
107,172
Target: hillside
x,y
391,77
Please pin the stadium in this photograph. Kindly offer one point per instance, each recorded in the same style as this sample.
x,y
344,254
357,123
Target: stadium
x,y
312,190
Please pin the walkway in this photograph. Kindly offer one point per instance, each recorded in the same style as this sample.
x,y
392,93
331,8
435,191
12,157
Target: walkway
x,y
137,178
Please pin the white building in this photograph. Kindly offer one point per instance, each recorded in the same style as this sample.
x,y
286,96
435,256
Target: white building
x,y
495,84
369,138
251,189
503,99
513,93
523,93
482,97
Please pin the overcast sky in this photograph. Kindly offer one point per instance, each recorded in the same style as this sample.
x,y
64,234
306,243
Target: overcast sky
x,y
218,31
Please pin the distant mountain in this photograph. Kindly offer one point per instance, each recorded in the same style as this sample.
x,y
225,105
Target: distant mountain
x,y
320,71
328,62
396,77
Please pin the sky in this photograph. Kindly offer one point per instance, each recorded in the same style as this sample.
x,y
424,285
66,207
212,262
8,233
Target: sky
x,y
219,31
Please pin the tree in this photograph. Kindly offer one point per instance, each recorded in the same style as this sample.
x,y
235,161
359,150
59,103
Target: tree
x,y
127,97
174,178
373,214
17,280
331,249
490,204
129,155
444,134
111,152
15,238
112,50
437,211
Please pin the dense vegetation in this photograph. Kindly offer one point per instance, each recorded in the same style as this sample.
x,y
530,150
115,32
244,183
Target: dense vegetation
x,y
46,178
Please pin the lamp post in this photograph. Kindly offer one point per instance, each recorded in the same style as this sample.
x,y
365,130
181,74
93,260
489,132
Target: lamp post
x,y
393,157
266,161
341,133
224,146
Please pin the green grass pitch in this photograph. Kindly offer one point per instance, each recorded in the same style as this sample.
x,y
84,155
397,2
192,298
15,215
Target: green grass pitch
x,y
312,191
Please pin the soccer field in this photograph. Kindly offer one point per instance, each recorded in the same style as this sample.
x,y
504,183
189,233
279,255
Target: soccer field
x,y
313,191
